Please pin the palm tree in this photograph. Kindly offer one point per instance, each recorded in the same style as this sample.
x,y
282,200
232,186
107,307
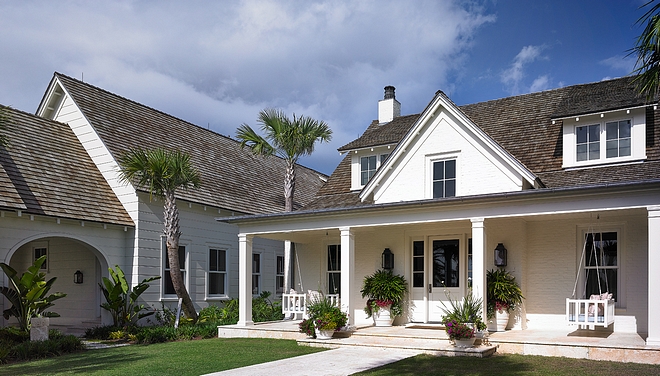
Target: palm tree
x,y
162,172
647,49
289,139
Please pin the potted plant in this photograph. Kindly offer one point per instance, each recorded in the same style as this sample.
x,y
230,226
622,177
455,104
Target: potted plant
x,y
465,311
461,333
324,318
503,295
385,292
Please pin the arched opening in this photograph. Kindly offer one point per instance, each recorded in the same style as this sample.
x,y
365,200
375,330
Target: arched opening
x,y
65,256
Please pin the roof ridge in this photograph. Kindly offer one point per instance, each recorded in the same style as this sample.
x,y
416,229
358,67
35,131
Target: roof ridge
x,y
169,115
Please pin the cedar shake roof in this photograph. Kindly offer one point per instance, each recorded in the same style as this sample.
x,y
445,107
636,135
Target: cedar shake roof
x,y
522,125
231,177
44,170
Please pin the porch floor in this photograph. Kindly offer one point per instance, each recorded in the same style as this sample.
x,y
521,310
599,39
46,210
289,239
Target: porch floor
x,y
432,339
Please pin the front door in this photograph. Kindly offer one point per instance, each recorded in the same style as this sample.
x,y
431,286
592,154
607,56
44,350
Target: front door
x,y
444,277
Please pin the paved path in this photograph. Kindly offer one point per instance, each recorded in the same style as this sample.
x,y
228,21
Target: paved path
x,y
335,362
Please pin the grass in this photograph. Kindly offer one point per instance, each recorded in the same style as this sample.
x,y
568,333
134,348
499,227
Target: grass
x,y
510,365
172,358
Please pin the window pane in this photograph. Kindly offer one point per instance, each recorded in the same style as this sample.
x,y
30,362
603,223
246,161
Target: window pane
x,y
418,248
608,282
216,283
581,135
582,152
612,130
213,260
594,133
624,147
334,257
372,162
624,129
364,179
256,263
334,283
364,162
418,264
255,285
612,148
450,169
279,284
438,171
418,279
450,188
280,265
182,257
438,188
594,150
169,287
383,157
445,263
609,248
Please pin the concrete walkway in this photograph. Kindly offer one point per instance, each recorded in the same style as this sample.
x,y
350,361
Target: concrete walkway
x,y
335,362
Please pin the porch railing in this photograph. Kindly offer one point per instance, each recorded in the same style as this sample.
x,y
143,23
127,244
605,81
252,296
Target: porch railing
x,y
296,304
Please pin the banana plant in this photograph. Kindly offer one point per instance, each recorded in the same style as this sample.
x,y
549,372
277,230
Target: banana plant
x,y
121,301
28,294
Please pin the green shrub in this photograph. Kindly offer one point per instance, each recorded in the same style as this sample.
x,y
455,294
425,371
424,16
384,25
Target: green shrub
x,y
43,349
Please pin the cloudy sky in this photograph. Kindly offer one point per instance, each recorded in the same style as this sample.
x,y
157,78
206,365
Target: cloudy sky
x,y
217,63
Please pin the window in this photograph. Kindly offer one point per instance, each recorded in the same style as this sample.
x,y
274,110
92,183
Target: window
x,y
256,274
601,263
369,165
469,263
217,271
418,263
446,263
618,139
588,142
367,168
444,178
41,251
279,275
334,269
168,287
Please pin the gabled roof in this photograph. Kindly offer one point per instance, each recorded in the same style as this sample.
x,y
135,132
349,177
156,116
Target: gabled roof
x,y
44,170
231,177
523,126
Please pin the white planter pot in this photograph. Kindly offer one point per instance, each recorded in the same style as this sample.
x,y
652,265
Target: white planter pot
x,y
502,320
383,317
324,334
39,328
464,342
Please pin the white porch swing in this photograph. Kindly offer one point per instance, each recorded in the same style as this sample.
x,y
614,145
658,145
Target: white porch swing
x,y
294,304
598,310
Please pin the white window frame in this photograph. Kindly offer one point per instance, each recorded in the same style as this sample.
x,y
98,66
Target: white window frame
x,y
256,274
582,233
430,160
333,271
219,272
637,118
165,270
41,246
381,153
279,274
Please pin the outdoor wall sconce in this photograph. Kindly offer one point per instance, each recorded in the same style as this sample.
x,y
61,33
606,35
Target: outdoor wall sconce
x,y
388,259
500,255
78,277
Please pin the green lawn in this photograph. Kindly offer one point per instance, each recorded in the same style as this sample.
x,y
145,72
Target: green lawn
x,y
172,358
510,365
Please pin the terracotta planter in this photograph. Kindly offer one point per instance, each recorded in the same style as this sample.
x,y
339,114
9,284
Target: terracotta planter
x,y
469,342
324,334
502,320
383,317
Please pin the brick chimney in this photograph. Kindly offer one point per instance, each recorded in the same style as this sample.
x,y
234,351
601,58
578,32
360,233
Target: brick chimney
x,y
389,107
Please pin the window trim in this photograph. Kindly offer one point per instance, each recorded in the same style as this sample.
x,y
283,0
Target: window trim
x,y
209,272
164,268
257,274
619,230
637,118
279,275
430,160
328,272
45,267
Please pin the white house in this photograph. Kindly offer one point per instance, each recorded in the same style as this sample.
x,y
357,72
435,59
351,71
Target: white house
x,y
543,173
59,196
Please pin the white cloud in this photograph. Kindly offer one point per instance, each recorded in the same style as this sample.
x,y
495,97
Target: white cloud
x,y
540,83
620,63
513,76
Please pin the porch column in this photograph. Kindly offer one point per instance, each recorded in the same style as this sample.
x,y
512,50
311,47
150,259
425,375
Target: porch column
x,y
244,280
347,272
653,338
479,263
288,271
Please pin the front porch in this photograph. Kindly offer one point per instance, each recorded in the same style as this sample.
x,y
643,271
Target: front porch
x,y
584,344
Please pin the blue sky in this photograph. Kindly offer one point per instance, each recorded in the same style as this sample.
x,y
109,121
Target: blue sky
x,y
216,64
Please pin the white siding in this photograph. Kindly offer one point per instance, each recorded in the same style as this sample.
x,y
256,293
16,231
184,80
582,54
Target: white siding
x,y
479,171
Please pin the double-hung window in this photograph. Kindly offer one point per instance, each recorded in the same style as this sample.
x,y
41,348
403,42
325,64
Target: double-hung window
x,y
279,275
168,287
369,165
217,272
334,269
601,263
41,251
614,138
256,274
444,178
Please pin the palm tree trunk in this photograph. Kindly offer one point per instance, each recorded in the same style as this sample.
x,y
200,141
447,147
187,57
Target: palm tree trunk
x,y
172,234
289,185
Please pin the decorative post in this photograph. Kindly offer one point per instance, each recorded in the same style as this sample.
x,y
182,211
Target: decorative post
x,y
347,272
653,338
244,280
479,263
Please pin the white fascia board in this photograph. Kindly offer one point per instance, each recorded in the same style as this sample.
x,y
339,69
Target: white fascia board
x,y
602,112
48,95
429,113
518,205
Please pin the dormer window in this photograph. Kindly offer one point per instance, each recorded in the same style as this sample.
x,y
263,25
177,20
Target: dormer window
x,y
618,136
369,165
